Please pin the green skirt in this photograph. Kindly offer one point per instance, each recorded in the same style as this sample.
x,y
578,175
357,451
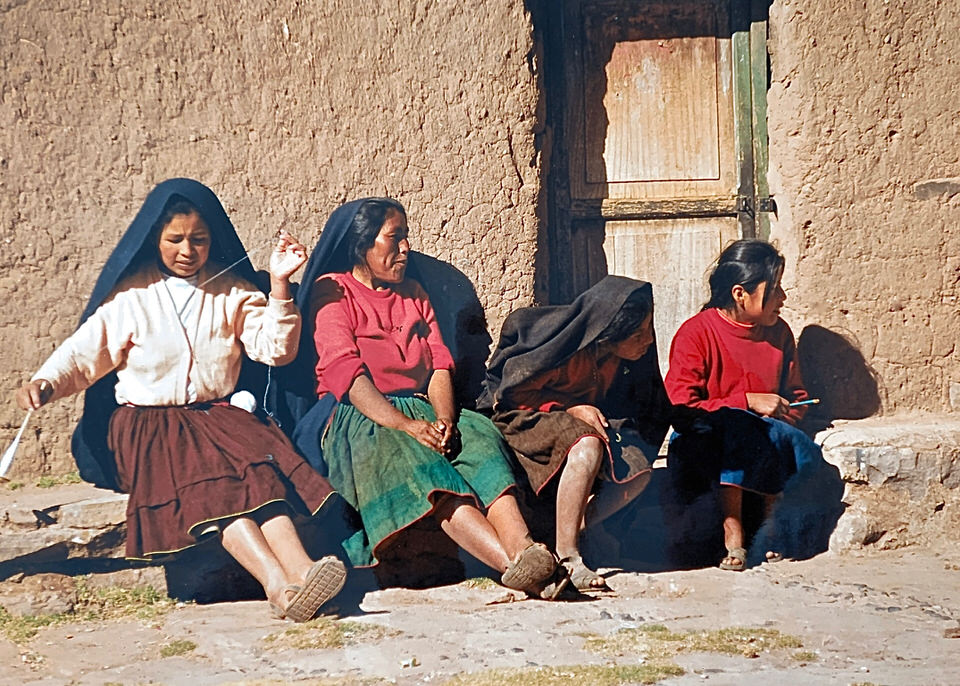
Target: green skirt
x,y
392,481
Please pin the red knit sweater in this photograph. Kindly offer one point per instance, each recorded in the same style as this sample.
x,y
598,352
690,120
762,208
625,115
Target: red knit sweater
x,y
391,335
579,381
715,362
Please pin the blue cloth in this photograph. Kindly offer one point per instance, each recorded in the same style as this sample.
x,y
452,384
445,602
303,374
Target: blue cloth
x,y
739,448
137,247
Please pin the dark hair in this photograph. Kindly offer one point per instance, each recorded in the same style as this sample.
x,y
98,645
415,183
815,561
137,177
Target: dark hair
x,y
627,319
367,224
746,263
177,204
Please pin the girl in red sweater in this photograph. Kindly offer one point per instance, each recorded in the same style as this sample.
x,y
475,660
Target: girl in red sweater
x,y
737,353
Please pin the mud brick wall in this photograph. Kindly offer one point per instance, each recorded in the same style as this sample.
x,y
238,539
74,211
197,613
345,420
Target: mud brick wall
x,y
865,167
285,109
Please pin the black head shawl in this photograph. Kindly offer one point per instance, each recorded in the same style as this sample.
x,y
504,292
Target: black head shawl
x,y
536,339
136,248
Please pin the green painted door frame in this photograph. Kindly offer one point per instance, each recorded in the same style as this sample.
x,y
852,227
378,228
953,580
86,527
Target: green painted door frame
x,y
749,20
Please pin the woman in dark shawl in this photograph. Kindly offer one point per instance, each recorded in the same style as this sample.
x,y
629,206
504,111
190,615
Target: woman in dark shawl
x,y
395,445
577,392
173,317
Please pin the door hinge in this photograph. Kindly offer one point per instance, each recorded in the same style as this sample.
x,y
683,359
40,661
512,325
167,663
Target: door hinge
x,y
765,204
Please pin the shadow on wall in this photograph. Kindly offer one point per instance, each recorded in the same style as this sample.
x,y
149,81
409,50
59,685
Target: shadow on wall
x,y
835,371
462,321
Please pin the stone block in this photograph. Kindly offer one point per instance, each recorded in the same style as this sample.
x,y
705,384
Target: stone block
x,y
39,594
852,532
909,452
95,513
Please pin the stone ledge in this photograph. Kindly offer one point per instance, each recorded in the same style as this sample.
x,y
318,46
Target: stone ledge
x,y
908,452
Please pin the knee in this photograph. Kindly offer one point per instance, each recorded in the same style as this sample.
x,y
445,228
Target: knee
x,y
586,453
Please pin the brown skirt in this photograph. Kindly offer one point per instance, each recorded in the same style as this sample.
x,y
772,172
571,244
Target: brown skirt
x,y
192,470
541,441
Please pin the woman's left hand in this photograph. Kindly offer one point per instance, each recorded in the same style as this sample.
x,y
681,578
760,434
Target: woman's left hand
x,y
287,257
449,436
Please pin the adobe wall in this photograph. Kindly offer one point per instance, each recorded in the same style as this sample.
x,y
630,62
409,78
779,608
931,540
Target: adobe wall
x,y
865,167
285,109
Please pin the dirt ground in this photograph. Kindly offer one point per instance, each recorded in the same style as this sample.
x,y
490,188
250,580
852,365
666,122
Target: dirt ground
x,y
871,617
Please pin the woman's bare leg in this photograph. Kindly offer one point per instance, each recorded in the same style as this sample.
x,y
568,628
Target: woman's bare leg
x,y
504,515
282,537
244,540
465,524
573,489
731,508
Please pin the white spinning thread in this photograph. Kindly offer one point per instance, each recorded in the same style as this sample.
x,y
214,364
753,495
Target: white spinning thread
x,y
11,450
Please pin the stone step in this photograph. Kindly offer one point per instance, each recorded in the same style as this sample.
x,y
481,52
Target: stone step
x,y
902,476
910,453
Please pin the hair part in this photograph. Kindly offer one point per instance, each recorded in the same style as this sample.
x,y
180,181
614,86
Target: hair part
x,y
366,226
176,205
746,263
628,318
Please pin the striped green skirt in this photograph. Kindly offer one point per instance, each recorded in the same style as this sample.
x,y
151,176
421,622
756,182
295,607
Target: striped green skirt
x,y
392,481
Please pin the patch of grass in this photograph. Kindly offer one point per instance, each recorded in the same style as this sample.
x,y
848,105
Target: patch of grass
x,y
22,629
179,647
481,582
115,602
805,656
325,633
657,642
15,485
325,681
93,605
595,675
59,480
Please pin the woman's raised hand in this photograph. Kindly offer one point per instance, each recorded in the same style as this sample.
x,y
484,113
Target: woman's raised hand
x,y
425,433
34,394
287,257
767,404
592,416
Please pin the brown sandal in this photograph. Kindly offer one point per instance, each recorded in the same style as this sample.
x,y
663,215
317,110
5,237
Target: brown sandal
x,y
533,566
289,592
324,580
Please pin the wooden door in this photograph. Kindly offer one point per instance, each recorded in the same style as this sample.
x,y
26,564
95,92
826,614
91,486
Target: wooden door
x,y
654,166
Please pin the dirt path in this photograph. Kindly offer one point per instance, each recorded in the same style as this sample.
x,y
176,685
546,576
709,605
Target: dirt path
x,y
876,617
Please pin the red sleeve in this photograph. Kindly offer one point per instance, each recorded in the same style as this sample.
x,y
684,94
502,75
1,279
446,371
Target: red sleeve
x,y
529,394
687,381
338,358
792,388
442,359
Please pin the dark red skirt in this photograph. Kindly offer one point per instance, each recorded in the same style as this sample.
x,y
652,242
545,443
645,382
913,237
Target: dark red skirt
x,y
192,470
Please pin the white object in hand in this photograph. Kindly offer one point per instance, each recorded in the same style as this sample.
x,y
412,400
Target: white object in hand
x,y
7,458
244,400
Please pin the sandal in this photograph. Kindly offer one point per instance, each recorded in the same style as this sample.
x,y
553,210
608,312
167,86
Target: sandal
x,y
582,577
324,580
773,556
534,565
555,585
278,612
739,555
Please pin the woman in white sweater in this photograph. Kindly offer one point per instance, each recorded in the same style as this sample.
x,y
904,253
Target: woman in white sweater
x,y
173,320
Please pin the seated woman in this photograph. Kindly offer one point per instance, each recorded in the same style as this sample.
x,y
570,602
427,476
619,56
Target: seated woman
x,y
738,359
170,321
395,454
577,392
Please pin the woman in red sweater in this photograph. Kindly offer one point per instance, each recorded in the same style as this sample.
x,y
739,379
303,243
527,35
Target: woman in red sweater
x,y
737,353
391,434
